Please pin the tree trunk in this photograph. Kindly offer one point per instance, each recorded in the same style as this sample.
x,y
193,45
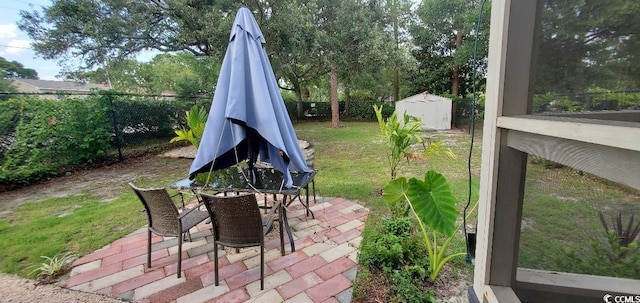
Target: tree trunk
x,y
396,85
298,90
455,86
347,100
335,106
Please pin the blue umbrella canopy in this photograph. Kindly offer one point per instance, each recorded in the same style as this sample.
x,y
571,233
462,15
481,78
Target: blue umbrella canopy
x,y
248,116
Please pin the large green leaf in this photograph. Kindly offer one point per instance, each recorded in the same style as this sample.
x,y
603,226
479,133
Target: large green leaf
x,y
394,191
433,202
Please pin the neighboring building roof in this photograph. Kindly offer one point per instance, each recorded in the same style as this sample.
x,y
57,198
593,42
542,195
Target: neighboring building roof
x,y
61,85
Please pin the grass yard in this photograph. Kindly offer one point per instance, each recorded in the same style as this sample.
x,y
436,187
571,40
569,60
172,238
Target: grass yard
x,y
85,211
560,216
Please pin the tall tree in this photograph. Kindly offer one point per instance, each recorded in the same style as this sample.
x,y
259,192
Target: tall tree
x,y
399,16
15,70
587,44
351,40
181,73
445,40
99,31
293,47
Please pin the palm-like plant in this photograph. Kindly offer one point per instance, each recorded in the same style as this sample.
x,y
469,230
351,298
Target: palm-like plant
x,y
622,241
196,120
400,135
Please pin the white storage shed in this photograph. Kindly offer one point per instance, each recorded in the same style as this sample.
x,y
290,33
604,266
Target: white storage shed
x,y
433,110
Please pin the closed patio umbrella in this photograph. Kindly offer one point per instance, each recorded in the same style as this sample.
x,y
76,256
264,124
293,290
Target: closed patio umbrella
x,y
248,116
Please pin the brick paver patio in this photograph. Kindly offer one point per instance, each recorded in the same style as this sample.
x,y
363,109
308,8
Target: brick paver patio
x,y
321,269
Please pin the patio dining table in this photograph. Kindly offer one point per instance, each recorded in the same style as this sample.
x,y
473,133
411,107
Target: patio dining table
x,y
263,181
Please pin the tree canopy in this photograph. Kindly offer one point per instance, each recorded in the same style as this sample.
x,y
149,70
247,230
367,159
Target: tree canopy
x,y
589,44
444,38
356,45
303,37
15,70
180,73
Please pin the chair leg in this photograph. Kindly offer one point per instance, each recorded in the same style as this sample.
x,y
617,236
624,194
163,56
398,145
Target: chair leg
x,y
262,267
179,256
149,249
215,261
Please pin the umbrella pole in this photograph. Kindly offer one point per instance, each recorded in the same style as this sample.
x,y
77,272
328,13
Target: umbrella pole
x,y
252,141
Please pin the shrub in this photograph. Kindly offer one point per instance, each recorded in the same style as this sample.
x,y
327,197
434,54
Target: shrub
x,y
615,252
144,117
52,135
54,266
433,205
392,247
196,120
408,285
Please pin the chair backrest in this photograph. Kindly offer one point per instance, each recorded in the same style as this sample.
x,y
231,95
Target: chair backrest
x,y
162,213
236,219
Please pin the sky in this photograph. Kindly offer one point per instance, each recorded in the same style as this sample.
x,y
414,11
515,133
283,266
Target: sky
x,y
15,45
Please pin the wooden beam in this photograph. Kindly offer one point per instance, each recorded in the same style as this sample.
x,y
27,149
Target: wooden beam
x,y
620,134
627,115
546,286
509,196
512,48
495,294
615,164
490,144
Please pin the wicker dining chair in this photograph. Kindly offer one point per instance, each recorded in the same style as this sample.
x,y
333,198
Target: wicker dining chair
x,y
237,223
165,220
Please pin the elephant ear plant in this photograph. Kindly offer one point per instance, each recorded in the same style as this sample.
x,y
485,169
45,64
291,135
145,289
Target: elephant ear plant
x,y
432,203
196,120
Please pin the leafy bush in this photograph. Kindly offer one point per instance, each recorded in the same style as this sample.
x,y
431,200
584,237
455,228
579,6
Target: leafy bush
x,y
361,111
40,137
9,116
54,266
196,120
143,117
432,203
392,247
408,284
626,100
358,110
52,135
614,253
288,97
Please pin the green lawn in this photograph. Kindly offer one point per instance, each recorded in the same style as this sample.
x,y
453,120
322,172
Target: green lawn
x,y
560,214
